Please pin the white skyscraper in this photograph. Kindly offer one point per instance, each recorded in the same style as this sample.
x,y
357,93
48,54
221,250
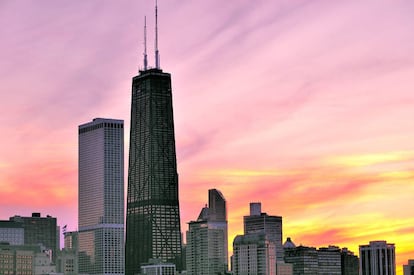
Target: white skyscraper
x,y
377,257
101,197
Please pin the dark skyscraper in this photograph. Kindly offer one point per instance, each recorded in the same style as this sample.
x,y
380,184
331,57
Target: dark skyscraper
x,y
153,217
217,206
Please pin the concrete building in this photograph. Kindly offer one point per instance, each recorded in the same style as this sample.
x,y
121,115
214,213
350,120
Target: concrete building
x,y
305,260
377,257
283,268
11,232
408,269
206,249
25,260
258,222
67,262
349,262
101,197
253,254
40,230
329,260
156,267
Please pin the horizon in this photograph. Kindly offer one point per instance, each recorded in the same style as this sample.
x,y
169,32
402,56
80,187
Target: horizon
x,y
306,107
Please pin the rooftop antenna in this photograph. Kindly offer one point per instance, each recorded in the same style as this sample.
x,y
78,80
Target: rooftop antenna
x,y
157,55
145,44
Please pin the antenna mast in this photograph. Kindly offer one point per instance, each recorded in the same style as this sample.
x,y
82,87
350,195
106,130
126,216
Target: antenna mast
x,y
145,44
157,55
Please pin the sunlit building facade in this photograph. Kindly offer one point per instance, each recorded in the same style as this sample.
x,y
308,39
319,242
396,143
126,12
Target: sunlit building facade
x,y
101,197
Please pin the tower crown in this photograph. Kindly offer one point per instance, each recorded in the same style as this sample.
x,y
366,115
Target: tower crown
x,y
157,53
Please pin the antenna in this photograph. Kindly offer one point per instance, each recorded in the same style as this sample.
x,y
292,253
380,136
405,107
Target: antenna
x,y
145,44
157,55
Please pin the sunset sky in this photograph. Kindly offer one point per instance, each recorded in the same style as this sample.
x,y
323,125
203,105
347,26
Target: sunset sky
x,y
305,106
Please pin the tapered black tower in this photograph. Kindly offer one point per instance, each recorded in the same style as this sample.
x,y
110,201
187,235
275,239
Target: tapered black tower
x,y
153,216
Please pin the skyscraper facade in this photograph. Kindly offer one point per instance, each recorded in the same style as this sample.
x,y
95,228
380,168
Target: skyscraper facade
x,y
377,257
258,222
207,238
153,217
101,197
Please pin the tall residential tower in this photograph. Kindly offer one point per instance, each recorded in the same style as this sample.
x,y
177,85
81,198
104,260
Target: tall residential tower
x,y
153,216
101,197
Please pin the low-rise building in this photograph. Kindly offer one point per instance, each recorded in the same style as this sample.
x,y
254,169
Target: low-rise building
x,y
25,259
408,269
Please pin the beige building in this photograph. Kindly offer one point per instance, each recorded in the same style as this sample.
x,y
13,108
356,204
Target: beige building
x,y
283,268
25,260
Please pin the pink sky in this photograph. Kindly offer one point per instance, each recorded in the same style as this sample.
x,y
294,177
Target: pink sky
x,y
305,106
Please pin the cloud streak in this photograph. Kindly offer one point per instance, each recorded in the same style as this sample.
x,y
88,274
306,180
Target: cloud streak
x,y
304,106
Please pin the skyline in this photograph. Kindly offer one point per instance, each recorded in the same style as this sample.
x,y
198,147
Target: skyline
x,y
304,106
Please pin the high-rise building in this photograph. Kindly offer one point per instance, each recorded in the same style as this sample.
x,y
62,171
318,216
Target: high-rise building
x,y
377,257
253,254
258,222
207,238
217,206
40,230
408,269
101,197
153,215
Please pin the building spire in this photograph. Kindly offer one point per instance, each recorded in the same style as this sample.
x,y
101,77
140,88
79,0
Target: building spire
x,y
157,55
145,44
